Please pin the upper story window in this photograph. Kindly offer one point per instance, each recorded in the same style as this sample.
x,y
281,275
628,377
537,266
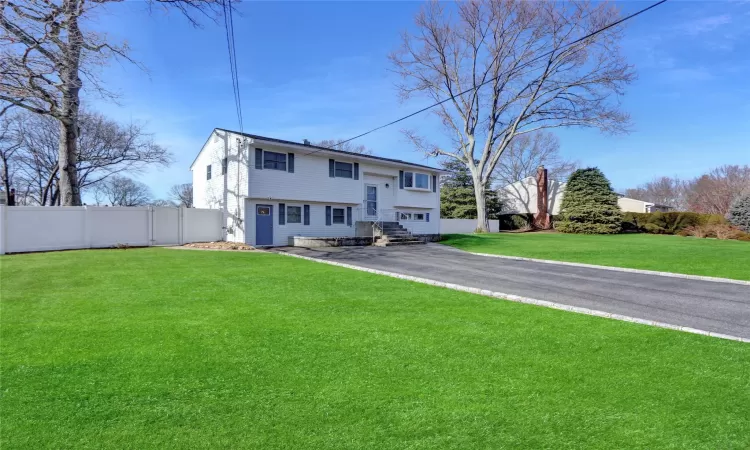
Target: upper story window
x,y
273,160
416,180
208,172
344,170
338,169
224,166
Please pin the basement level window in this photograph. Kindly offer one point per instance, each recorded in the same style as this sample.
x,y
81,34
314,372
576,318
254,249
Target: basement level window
x,y
293,214
338,215
419,217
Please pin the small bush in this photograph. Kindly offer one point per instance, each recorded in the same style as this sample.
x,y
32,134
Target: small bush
x,y
718,231
510,222
667,223
739,213
654,229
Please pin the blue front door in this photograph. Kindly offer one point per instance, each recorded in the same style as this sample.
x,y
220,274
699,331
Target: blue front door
x,y
263,225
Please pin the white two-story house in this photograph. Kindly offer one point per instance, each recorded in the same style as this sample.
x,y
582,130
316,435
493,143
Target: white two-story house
x,y
272,189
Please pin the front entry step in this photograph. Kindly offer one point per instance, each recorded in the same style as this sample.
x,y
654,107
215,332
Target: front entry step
x,y
393,233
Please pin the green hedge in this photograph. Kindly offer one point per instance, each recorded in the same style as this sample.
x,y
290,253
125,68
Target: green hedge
x,y
666,222
653,223
510,222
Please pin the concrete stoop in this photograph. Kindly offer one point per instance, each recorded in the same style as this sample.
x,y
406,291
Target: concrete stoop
x,y
392,233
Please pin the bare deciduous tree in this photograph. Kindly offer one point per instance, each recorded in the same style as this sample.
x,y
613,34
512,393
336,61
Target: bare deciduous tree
x,y
501,43
46,52
122,191
663,191
10,144
182,194
163,203
714,192
105,148
527,152
339,144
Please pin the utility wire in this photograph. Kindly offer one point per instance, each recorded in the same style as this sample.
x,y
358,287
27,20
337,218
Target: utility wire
x,y
524,65
229,30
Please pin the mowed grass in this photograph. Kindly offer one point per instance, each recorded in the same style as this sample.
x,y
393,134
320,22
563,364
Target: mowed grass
x,y
708,257
158,348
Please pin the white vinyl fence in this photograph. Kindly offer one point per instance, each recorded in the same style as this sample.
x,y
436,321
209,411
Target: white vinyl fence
x,y
40,228
450,226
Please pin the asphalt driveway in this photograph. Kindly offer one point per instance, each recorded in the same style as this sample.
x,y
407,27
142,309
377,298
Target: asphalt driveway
x,y
711,306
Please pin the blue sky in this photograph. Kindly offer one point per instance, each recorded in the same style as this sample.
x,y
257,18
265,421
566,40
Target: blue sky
x,y
317,70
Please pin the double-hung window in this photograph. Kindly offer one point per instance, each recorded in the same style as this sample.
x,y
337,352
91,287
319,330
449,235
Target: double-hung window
x,y
293,214
274,161
224,166
416,180
339,215
208,172
344,170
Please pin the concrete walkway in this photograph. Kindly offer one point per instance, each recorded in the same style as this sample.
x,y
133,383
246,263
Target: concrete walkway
x,y
704,305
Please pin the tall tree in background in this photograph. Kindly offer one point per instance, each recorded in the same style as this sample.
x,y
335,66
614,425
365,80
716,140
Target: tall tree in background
x,y
526,153
662,191
45,51
714,192
457,194
105,148
339,144
10,144
122,191
498,42
182,194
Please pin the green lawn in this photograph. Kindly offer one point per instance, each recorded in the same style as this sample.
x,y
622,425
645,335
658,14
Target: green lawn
x,y
158,348
709,257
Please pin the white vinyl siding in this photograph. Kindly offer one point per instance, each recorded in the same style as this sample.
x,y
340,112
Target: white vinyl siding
x,y
416,220
221,191
309,184
281,233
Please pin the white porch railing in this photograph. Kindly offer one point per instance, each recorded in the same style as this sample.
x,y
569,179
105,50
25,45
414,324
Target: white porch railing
x,y
375,216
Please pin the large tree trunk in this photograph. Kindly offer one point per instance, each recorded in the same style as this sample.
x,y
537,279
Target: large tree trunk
x,y
6,178
480,193
70,194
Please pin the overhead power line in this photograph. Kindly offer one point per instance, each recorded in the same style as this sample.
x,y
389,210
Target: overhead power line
x,y
522,66
231,49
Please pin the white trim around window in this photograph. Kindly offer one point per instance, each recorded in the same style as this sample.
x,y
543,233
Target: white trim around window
x,y
411,216
417,181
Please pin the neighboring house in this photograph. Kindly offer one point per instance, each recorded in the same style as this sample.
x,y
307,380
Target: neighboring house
x,y
521,198
632,205
273,189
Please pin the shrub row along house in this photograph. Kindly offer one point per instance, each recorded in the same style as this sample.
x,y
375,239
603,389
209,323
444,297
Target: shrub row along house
x,y
272,190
